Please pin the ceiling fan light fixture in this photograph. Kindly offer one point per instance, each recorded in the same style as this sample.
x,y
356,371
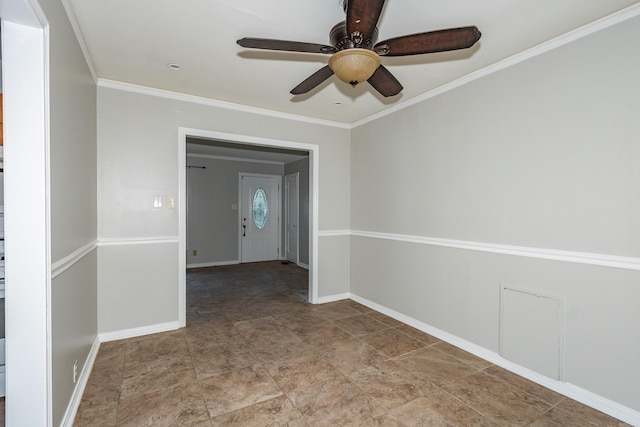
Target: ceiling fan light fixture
x,y
354,65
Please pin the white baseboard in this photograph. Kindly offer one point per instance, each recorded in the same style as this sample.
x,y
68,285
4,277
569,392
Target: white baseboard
x,y
586,397
303,265
137,332
213,264
72,409
331,298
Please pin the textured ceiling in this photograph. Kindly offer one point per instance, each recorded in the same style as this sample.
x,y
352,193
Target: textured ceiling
x,y
133,41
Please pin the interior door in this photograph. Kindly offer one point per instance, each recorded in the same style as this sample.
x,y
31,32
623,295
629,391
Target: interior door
x,y
291,216
260,217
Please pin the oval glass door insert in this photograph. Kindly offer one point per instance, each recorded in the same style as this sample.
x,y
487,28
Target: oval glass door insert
x,y
260,208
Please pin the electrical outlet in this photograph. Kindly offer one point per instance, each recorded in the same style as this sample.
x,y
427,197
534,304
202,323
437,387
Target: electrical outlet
x,y
75,371
195,252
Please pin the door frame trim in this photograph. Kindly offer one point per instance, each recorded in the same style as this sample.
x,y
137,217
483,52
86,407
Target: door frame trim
x,y
286,216
314,164
240,204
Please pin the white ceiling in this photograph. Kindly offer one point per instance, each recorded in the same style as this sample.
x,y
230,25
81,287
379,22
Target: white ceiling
x,y
132,41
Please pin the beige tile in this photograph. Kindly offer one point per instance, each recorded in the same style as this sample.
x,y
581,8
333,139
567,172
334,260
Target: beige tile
x,y
525,385
360,325
338,310
93,416
392,343
159,374
435,366
238,389
462,355
134,368
383,318
356,306
103,386
204,335
278,411
503,403
322,335
268,339
111,355
570,409
216,360
352,355
417,334
302,371
439,410
180,405
150,347
390,384
334,403
384,420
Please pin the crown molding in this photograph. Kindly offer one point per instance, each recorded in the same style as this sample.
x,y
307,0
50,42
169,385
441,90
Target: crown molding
x,y
177,96
83,46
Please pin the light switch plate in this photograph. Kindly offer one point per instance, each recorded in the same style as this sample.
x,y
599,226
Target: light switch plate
x,y
158,202
169,202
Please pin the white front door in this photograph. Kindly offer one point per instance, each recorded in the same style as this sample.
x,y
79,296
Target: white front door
x,y
259,217
291,216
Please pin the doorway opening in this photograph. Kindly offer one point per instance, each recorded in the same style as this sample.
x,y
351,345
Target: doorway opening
x,y
259,151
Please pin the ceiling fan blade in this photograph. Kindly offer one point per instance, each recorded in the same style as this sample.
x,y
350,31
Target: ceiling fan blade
x,y
430,42
291,46
384,82
313,80
362,17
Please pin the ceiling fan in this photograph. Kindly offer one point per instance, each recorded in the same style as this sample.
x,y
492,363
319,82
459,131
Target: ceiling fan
x,y
355,53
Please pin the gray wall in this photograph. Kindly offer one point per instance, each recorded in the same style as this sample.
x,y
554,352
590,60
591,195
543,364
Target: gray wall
x,y
542,156
302,167
212,224
138,143
73,204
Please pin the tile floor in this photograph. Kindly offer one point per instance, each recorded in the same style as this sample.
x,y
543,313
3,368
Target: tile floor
x,y
254,353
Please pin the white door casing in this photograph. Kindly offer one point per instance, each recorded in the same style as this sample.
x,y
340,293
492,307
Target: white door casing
x,y
259,217
291,204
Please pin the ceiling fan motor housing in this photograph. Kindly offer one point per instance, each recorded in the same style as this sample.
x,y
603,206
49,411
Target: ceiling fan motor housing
x,y
341,40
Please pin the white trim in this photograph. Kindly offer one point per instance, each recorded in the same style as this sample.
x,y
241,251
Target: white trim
x,y
25,70
333,233
332,298
303,265
138,332
182,227
65,263
78,391
145,90
126,241
213,264
585,30
588,398
234,159
78,33
288,176
628,263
